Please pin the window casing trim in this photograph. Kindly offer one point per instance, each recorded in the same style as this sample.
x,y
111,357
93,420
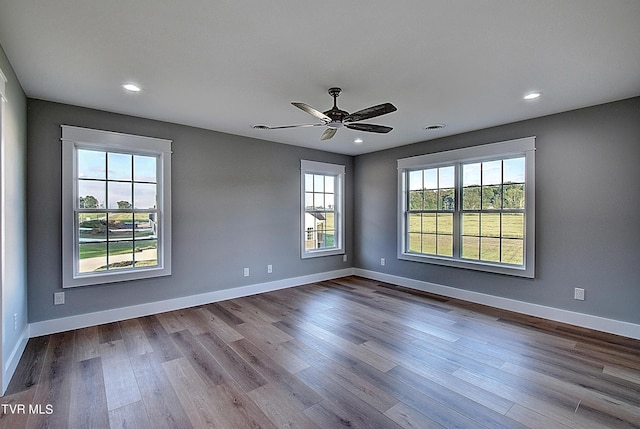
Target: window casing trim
x,y
74,138
501,150
316,167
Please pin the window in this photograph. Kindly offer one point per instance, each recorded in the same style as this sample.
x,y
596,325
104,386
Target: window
x,y
116,207
322,196
471,208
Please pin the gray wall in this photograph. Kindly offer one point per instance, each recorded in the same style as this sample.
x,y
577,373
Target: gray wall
x,y
587,212
235,204
14,202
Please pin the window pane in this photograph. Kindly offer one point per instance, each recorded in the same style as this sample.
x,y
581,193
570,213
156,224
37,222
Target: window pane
x,y
491,197
513,225
144,195
120,167
120,226
145,226
329,200
318,201
92,227
415,180
490,224
513,251
330,220
490,249
91,194
329,238
431,179
93,256
446,176
471,224
471,247
429,244
308,182
415,200
430,200
445,245
471,198
144,168
445,223
513,170
415,243
308,201
492,173
119,195
471,175
92,164
447,199
329,186
146,253
318,183
120,255
414,222
513,196
310,220
429,223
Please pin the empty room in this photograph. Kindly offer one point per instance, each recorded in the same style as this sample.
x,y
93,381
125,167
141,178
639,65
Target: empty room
x,y
295,214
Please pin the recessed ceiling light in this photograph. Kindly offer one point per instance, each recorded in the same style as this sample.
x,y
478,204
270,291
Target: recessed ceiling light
x,y
358,141
131,87
532,95
434,127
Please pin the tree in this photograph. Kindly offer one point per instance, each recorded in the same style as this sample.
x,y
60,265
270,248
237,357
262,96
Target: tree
x,y
124,205
88,202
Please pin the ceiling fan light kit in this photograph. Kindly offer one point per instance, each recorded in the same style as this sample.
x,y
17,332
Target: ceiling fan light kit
x,y
336,118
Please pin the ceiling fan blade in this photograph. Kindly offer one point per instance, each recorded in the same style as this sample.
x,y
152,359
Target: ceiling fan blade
x,y
268,127
369,128
313,112
328,133
371,112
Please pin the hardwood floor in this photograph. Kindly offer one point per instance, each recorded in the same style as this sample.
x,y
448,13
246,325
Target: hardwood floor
x,y
344,353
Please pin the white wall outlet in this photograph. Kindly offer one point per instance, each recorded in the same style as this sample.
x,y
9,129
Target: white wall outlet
x,y
578,294
383,262
246,272
58,298
344,258
269,269
15,321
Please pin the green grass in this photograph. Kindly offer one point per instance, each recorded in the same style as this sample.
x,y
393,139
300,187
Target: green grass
x,y
94,250
487,237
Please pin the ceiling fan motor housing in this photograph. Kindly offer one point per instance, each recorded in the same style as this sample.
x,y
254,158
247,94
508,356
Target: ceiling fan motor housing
x,y
337,115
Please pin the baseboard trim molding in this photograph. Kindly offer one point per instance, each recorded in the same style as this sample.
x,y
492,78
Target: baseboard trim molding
x,y
597,323
117,314
12,363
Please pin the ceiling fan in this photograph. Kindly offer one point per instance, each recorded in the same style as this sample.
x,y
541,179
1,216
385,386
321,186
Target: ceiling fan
x,y
336,118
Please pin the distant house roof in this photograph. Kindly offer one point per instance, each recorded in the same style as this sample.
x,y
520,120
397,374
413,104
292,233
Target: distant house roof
x,y
317,215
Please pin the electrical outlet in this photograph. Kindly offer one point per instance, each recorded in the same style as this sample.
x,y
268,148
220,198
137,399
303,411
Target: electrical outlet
x,y
58,298
15,321
578,294
383,262
344,258
269,269
246,272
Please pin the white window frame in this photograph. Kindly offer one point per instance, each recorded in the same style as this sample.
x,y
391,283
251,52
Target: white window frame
x,y
74,138
338,171
511,148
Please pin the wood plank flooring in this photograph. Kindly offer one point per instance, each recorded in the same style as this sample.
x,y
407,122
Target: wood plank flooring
x,y
344,353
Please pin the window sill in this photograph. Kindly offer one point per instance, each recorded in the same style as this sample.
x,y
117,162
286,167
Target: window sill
x,y
322,252
517,271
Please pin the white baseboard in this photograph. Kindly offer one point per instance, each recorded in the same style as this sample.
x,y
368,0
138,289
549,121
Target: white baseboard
x,y
597,323
117,314
12,363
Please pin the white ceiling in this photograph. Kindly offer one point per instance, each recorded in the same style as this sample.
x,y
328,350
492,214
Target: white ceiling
x,y
228,64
